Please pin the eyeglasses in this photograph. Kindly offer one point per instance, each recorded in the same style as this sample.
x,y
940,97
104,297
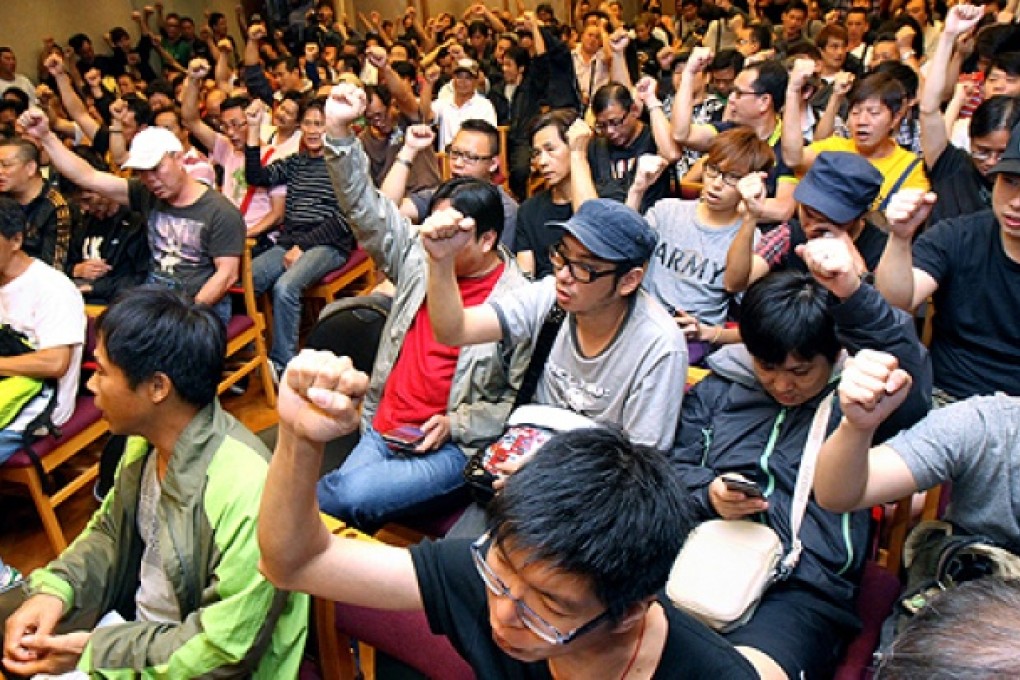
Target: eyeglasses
x,y
375,117
981,155
737,92
579,271
712,171
234,124
535,623
603,126
466,156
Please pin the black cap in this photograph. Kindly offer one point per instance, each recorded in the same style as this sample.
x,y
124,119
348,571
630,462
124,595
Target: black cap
x,y
1009,162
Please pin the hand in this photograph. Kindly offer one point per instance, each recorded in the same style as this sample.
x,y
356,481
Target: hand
x,y
55,654
578,136
645,91
320,395
376,56
254,114
38,615
831,263
842,84
34,123
93,77
419,137
907,210
92,269
619,39
198,69
345,105
432,74
136,16
204,33
54,64
699,60
43,93
871,388
688,324
445,232
962,18
905,38
292,256
118,110
665,58
733,504
649,168
799,74
225,46
256,32
437,433
375,17
148,10
753,193
832,17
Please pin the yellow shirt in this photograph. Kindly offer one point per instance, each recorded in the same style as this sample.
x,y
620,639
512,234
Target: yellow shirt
x,y
891,167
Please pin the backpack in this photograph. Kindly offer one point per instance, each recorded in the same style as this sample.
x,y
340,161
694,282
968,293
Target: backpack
x,y
352,327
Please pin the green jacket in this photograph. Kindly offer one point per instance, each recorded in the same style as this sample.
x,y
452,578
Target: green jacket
x,y
234,622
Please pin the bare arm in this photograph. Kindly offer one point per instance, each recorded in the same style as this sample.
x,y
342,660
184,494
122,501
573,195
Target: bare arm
x,y
431,76
224,71
227,270
582,186
686,133
189,109
272,218
51,362
780,207
72,102
792,139
743,266
895,277
451,322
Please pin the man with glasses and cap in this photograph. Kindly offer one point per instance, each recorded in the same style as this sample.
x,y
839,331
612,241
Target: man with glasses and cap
x,y
195,233
562,585
466,103
970,267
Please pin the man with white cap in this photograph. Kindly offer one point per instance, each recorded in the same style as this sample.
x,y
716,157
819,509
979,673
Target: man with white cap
x,y
195,234
466,102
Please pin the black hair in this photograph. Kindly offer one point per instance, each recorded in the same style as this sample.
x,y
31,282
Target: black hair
x,y
215,17
486,128
1008,62
771,80
561,119
160,86
473,198
520,56
917,42
795,5
596,505
27,151
405,70
761,33
380,91
19,97
479,27
12,218
993,114
117,34
313,104
881,86
804,48
965,632
725,59
904,75
784,313
151,329
141,109
241,101
997,38
77,42
610,93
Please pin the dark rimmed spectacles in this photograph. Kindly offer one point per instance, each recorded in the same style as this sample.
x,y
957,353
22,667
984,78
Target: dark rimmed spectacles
x,y
579,271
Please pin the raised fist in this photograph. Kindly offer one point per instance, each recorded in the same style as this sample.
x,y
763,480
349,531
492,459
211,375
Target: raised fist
x,y
376,56
54,64
578,136
699,60
346,103
419,137
198,69
34,123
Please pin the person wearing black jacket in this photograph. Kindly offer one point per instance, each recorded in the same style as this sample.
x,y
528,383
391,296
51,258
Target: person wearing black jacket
x,y
752,417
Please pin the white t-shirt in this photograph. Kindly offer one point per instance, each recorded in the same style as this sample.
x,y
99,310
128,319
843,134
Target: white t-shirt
x,y
44,304
450,116
22,83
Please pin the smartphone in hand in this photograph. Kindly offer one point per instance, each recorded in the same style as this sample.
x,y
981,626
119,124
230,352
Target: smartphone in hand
x,y
404,438
744,486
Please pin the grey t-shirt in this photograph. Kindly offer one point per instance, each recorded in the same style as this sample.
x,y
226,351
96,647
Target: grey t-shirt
x,y
155,599
976,444
636,382
686,270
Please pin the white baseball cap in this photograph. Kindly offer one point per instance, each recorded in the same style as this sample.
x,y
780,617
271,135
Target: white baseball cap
x,y
150,146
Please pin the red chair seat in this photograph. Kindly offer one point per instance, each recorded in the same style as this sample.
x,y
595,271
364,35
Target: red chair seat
x,y
239,323
85,414
878,593
357,257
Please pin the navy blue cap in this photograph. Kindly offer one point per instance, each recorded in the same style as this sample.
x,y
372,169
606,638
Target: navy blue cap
x,y
840,185
612,231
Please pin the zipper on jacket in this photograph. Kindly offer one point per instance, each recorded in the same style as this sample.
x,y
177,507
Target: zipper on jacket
x,y
706,444
770,446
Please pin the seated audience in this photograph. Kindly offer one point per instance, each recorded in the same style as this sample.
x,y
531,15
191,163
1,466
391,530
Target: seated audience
x,y
170,560
458,398
465,104
752,417
39,306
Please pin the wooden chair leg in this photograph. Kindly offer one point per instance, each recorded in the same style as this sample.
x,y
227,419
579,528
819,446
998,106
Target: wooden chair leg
x,y
335,658
44,507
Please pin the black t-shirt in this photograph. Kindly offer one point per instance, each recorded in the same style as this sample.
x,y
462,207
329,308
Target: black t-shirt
x,y
455,603
977,306
870,244
613,168
533,231
960,187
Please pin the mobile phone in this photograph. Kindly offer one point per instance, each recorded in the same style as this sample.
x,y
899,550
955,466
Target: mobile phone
x,y
745,486
403,438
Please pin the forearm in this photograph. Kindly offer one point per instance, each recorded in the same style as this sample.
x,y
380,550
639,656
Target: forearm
x,y
894,276
935,83
255,173
291,534
223,71
445,307
842,472
189,103
779,208
618,71
827,123
683,108
664,143
582,186
394,185
50,363
75,107
118,148
217,285
792,139
739,257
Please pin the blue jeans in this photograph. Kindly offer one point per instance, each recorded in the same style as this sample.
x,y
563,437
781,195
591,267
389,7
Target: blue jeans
x,y
288,284
10,443
223,309
376,485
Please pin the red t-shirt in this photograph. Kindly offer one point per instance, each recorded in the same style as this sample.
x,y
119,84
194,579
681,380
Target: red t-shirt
x,y
419,384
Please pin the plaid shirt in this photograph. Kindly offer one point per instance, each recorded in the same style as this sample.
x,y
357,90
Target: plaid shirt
x,y
774,245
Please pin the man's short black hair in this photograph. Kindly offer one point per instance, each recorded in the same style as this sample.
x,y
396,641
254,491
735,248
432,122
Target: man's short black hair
x,y
117,34
486,128
27,151
473,198
609,93
215,17
771,80
786,313
12,218
520,56
151,329
727,59
596,505
761,33
241,101
77,42
141,109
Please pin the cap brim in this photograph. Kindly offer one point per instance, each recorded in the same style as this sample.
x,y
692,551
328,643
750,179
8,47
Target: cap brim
x,y
813,197
140,164
1010,166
